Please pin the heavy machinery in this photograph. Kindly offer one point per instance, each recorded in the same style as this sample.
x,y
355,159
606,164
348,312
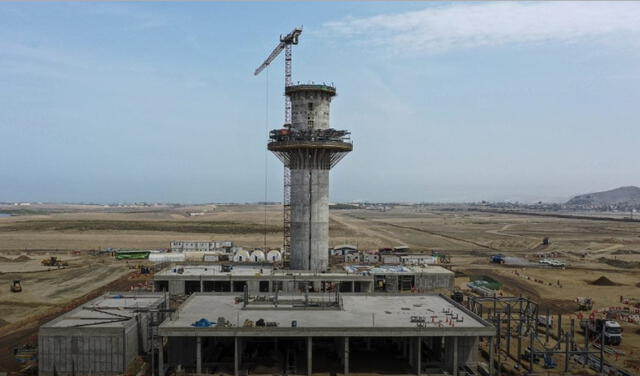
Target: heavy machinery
x,y
285,44
457,296
16,286
584,303
53,261
498,259
611,330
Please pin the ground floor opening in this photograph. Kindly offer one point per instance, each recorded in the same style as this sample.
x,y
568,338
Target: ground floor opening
x,y
319,355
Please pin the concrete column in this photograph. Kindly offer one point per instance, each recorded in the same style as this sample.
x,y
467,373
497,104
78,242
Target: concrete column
x,y
419,356
455,356
353,286
410,349
309,356
346,356
236,357
309,219
490,356
201,285
161,357
199,355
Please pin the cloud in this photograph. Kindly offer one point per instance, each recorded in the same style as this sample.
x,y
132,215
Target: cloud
x,y
470,25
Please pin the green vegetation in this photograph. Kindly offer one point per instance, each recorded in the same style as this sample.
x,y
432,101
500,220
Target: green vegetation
x,y
210,227
343,206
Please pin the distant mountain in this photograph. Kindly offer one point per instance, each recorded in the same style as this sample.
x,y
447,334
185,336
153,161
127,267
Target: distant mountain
x,y
620,196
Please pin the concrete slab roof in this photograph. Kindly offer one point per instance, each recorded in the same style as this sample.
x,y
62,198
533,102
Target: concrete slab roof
x,y
213,270
377,315
112,310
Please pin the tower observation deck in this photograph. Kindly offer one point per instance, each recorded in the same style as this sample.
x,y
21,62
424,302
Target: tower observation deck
x,y
310,148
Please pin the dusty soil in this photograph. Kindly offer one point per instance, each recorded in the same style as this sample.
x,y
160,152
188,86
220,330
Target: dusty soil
x,y
25,329
590,248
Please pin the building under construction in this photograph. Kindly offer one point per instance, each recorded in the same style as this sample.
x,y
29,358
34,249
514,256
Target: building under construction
x,y
321,333
309,148
100,337
254,319
188,279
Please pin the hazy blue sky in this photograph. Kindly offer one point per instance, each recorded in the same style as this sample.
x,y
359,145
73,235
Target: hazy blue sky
x,y
152,102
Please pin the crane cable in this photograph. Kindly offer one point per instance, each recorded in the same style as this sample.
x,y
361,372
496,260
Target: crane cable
x,y
266,153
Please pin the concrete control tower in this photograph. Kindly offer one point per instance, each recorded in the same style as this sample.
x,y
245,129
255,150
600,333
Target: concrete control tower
x,y
309,147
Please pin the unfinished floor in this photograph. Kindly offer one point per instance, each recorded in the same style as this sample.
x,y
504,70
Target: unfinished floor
x,y
416,334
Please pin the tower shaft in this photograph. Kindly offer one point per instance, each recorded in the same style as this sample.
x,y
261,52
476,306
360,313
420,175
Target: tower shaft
x,y
310,148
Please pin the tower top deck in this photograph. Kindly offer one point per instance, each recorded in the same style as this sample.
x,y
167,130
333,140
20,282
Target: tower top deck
x,y
331,90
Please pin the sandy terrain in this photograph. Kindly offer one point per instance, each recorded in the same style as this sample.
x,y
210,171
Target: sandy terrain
x,y
590,248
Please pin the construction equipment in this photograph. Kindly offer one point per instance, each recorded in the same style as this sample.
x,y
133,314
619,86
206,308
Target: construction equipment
x,y
498,259
611,330
25,353
457,296
584,303
16,286
53,261
548,361
285,44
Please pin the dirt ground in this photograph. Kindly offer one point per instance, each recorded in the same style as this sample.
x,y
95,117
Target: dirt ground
x,y
590,248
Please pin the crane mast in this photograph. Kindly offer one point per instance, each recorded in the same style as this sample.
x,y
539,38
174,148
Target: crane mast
x,y
286,42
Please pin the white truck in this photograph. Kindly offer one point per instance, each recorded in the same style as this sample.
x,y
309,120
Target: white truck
x,y
612,330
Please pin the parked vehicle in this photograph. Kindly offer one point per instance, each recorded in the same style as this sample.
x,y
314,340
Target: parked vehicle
x,y
612,330
16,286
584,303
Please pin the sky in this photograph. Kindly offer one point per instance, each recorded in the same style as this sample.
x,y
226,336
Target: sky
x,y
446,102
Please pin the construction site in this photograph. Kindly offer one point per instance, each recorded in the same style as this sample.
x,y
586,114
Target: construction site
x,y
412,289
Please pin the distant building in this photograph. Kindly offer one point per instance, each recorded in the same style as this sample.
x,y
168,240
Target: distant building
x,y
200,246
343,250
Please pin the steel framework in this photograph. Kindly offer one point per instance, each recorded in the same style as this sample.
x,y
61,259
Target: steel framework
x,y
518,318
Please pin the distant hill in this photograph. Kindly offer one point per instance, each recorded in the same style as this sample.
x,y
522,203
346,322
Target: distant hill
x,y
623,195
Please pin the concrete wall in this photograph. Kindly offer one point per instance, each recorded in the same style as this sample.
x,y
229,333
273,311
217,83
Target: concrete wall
x,y
424,282
176,287
132,347
309,219
467,352
432,281
100,350
96,352
310,109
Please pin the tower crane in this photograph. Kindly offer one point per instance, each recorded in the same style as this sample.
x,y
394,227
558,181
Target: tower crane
x,y
286,42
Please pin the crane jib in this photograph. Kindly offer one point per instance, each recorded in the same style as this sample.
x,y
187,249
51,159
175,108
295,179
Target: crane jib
x,y
271,57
